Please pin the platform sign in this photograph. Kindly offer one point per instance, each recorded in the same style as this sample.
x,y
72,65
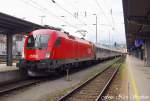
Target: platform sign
x,y
139,42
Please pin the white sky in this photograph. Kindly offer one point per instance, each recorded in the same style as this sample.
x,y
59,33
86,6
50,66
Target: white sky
x,y
31,10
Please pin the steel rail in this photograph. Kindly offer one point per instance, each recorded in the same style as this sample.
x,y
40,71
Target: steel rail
x,y
66,96
21,84
17,85
107,84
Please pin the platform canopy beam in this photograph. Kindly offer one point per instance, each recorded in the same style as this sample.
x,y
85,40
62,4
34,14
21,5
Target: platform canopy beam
x,y
137,25
140,20
136,19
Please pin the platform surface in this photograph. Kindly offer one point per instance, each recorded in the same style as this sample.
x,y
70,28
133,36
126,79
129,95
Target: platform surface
x,y
139,78
3,67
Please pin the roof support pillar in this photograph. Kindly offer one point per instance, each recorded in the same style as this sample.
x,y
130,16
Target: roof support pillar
x,y
9,49
147,52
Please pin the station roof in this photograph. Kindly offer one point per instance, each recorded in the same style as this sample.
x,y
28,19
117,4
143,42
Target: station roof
x,y
137,20
13,25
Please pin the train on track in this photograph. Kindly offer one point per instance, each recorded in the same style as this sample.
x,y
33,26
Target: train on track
x,y
47,50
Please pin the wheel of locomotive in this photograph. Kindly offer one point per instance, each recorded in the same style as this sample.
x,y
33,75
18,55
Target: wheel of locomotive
x,y
60,70
23,70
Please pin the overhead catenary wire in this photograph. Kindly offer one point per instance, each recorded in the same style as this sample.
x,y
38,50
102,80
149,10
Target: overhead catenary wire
x,y
106,17
53,14
69,3
64,10
113,22
79,20
57,4
111,13
45,10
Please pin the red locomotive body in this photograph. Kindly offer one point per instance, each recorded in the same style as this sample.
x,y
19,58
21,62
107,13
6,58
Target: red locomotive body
x,y
48,50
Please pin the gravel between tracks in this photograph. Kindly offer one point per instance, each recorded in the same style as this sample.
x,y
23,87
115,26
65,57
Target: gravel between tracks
x,y
47,90
118,90
91,91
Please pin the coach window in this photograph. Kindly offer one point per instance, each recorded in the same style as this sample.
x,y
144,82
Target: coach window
x,y
58,42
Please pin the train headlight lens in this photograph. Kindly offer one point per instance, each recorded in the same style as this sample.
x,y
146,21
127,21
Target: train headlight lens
x,y
47,55
23,55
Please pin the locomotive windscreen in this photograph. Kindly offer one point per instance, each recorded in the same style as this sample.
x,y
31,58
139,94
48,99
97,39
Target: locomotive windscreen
x,y
38,41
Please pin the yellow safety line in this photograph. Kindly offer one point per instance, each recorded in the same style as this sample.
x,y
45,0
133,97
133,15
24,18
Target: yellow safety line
x,y
134,86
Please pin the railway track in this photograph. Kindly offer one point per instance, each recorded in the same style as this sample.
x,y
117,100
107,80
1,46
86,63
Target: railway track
x,y
94,88
16,85
4,89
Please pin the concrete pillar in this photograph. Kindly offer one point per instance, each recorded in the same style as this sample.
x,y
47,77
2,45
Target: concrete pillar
x,y
147,52
9,49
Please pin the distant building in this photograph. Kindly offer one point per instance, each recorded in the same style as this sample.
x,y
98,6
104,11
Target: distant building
x,y
17,44
2,44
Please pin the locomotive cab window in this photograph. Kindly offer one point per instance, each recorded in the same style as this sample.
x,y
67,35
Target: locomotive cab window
x,y
39,41
58,42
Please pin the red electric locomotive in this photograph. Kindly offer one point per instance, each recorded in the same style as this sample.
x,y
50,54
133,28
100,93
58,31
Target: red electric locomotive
x,y
47,50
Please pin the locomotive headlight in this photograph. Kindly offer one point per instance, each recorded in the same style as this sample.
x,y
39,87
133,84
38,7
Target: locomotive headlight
x,y
47,55
23,55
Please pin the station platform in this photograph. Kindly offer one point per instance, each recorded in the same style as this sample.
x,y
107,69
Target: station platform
x,y
138,78
4,68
